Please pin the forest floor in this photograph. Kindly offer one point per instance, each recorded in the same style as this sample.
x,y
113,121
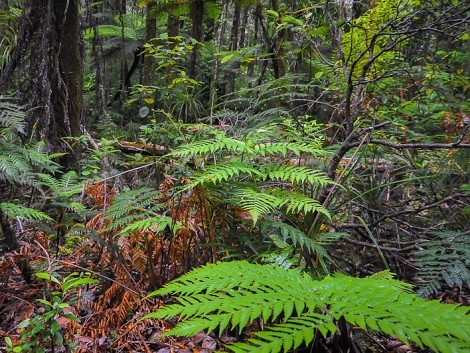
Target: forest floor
x,y
116,331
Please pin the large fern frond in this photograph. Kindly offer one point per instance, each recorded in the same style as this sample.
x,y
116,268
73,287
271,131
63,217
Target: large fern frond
x,y
444,259
232,295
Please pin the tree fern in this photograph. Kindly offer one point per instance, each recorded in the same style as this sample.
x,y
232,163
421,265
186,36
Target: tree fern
x,y
253,173
444,259
292,306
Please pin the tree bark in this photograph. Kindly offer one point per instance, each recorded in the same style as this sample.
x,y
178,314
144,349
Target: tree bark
x,y
197,16
70,59
50,73
148,77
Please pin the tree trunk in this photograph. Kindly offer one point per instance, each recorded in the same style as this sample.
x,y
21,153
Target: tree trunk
x,y
48,49
279,60
197,16
70,60
148,78
234,43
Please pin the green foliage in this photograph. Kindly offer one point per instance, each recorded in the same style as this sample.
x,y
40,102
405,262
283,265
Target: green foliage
x,y
256,177
8,26
43,331
63,190
443,259
129,27
19,163
137,210
130,206
13,210
293,306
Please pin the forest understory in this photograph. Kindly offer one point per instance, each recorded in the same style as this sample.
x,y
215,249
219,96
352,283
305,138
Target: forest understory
x,y
243,175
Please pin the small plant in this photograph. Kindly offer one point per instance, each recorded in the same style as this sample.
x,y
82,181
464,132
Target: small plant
x,y
43,331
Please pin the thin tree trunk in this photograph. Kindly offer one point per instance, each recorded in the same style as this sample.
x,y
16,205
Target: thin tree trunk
x,y
197,17
234,45
148,78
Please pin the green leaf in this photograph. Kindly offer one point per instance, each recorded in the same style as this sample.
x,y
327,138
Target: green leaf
x,y
8,342
47,277
226,58
245,291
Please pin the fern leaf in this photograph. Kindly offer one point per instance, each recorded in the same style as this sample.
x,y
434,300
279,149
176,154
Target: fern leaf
x,y
240,292
295,174
444,259
209,146
297,202
224,171
12,210
283,148
256,203
156,224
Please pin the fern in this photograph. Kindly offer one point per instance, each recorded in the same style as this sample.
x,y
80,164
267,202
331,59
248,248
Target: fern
x,y
156,224
261,204
283,148
222,172
294,174
445,259
13,211
132,206
232,295
203,148
290,239
12,118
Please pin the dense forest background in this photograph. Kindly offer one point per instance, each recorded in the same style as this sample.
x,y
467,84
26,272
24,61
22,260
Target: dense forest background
x,y
142,139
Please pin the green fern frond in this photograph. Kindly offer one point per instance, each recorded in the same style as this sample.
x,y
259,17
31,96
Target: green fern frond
x,y
264,203
14,168
217,173
257,204
295,174
13,210
222,295
130,208
67,185
283,148
287,232
445,259
289,239
202,148
12,117
297,202
156,224
129,201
